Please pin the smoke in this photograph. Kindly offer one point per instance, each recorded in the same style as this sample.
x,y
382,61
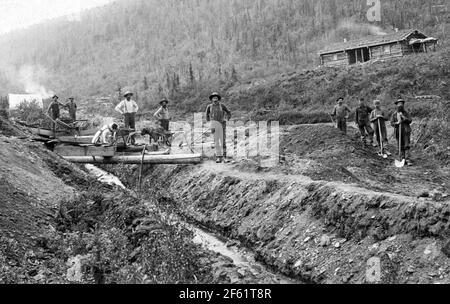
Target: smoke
x,y
360,29
27,78
376,30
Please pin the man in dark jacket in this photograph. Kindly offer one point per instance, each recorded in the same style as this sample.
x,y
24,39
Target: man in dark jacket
x,y
362,120
217,113
341,111
401,121
53,109
72,107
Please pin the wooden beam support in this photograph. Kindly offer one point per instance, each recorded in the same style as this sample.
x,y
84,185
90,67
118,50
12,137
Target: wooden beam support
x,y
64,150
137,159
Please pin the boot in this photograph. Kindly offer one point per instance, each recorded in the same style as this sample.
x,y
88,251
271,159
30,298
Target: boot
x,y
408,158
225,159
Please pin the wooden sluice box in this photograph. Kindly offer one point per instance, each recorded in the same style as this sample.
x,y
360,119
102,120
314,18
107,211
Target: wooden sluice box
x,y
85,150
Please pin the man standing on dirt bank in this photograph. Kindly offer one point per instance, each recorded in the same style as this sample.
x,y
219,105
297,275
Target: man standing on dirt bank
x,y
215,113
401,121
341,112
54,107
362,113
128,109
378,117
72,106
163,115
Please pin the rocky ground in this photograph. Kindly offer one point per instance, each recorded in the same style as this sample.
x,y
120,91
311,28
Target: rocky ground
x,y
60,225
330,210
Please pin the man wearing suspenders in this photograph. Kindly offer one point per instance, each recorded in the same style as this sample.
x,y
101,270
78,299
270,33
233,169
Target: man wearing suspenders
x,y
217,113
128,109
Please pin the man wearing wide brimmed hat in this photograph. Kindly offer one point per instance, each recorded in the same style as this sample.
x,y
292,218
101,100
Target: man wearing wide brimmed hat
x,y
72,107
128,109
401,121
53,109
217,113
163,114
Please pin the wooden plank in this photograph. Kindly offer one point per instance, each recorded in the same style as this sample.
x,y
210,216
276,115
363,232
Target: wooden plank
x,y
67,150
46,132
76,139
88,132
137,159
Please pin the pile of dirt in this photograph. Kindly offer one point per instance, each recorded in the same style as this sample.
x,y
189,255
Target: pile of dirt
x,y
322,152
321,232
59,225
9,129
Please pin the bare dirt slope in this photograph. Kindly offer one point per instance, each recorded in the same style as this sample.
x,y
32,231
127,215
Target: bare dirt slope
x,y
322,153
330,207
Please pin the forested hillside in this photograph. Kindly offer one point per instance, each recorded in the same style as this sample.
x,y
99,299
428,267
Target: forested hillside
x,y
159,48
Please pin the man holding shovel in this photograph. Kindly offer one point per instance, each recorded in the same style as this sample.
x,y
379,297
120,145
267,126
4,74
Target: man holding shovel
x,y
378,117
401,121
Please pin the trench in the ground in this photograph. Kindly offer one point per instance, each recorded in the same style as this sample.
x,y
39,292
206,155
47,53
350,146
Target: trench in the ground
x,y
240,257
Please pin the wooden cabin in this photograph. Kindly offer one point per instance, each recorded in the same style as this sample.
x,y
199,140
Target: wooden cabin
x,y
387,46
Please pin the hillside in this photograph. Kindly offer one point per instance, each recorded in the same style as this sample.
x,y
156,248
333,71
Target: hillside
x,y
177,48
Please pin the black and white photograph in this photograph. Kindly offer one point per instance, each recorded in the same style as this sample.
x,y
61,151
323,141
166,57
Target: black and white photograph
x,y
226,147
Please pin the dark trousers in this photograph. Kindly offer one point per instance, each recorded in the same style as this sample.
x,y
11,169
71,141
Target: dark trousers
x,y
224,127
130,123
165,124
54,117
342,124
383,132
406,139
364,126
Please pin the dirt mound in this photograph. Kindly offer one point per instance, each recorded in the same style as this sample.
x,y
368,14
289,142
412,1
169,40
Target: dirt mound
x,y
317,231
323,153
9,129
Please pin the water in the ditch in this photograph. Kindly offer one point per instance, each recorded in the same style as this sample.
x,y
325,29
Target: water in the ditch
x,y
241,258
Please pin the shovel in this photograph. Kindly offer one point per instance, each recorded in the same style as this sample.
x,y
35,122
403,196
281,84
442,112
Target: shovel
x,y
335,125
381,140
400,163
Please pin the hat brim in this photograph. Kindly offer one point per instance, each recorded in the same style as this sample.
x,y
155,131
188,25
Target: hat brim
x,y
128,94
215,95
163,101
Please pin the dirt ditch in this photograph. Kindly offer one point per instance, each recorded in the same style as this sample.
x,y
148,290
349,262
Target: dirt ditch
x,y
60,225
313,219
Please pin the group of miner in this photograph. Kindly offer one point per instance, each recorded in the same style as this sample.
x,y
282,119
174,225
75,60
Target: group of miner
x,y
372,121
216,113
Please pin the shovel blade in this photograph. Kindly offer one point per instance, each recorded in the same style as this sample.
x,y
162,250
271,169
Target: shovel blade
x,y
400,164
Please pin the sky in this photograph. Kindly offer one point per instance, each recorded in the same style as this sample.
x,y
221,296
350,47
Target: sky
x,y
15,14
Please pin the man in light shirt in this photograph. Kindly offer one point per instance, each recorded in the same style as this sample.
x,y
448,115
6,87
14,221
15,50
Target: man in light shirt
x,y
128,109
105,135
163,115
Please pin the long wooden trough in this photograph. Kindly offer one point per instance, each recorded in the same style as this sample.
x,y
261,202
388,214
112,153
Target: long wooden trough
x,y
137,159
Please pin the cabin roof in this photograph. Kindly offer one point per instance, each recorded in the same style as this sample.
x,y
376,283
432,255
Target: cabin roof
x,y
370,41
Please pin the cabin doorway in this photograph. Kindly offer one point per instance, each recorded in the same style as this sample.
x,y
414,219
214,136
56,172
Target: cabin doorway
x,y
358,55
